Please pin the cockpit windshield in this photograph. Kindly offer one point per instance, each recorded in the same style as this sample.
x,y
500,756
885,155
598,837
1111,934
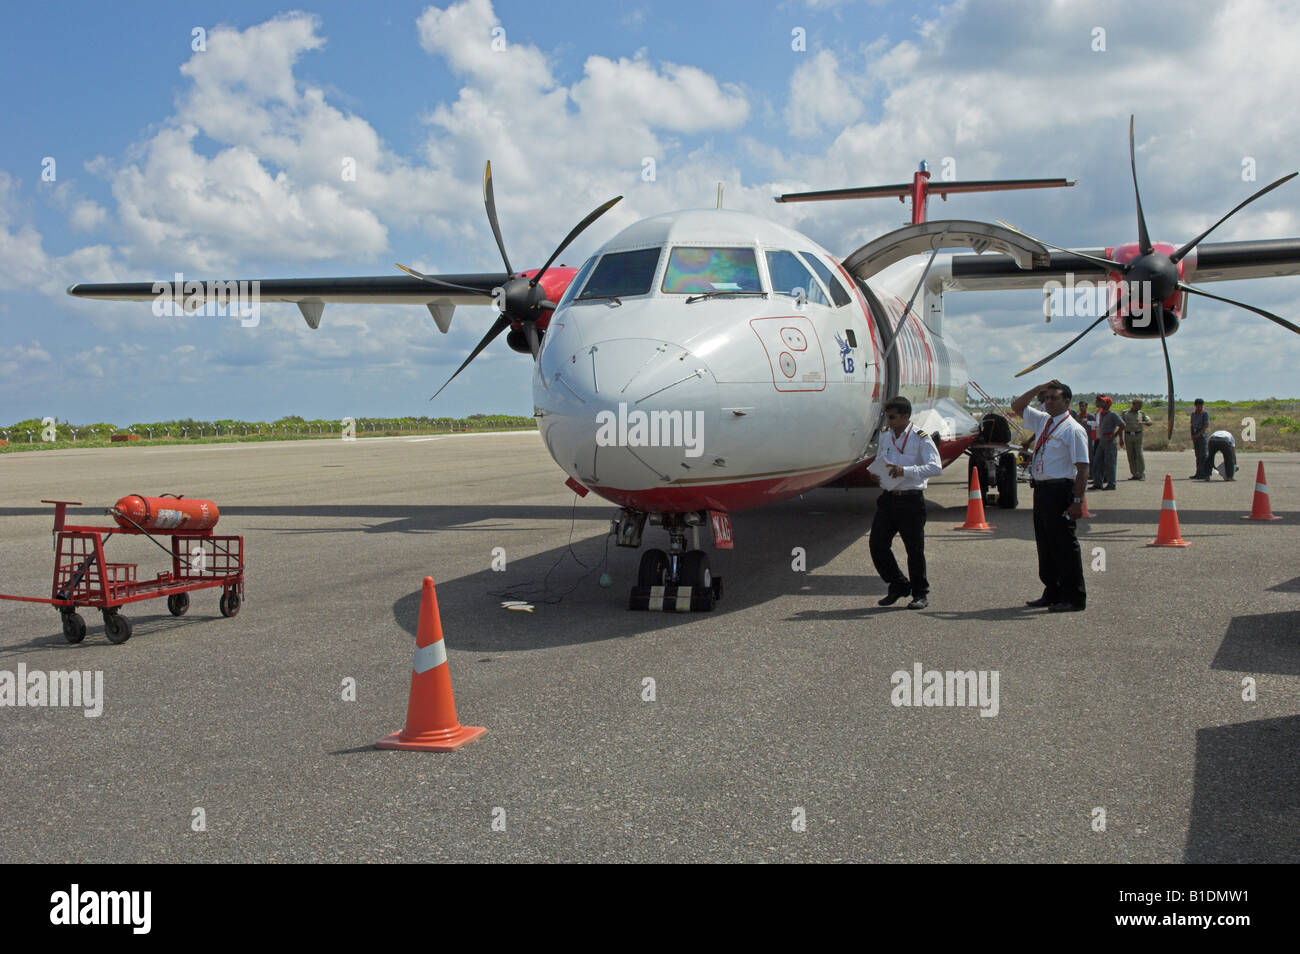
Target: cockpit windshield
x,y
622,274
694,271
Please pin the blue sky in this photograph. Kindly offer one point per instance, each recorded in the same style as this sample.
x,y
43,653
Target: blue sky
x,y
224,163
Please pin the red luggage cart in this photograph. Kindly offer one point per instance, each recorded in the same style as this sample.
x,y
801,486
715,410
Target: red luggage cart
x,y
201,560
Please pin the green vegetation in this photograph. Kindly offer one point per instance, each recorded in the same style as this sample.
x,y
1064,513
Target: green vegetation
x,y
30,434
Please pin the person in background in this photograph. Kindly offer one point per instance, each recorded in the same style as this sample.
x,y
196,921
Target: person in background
x,y
1081,415
1222,442
1135,424
1110,437
1200,428
1060,473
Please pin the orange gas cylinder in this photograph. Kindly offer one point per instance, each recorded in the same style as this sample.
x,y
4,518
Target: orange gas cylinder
x,y
166,513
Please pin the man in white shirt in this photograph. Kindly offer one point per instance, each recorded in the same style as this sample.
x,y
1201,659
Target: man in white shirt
x,y
1222,442
910,457
1059,476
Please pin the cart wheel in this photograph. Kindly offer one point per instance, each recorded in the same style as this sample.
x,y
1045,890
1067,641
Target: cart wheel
x,y
229,603
117,627
178,604
74,627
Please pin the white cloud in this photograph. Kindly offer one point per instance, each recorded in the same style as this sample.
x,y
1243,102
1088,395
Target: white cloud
x,y
821,95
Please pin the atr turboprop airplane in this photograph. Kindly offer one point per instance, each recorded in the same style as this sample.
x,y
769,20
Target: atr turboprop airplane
x,y
708,361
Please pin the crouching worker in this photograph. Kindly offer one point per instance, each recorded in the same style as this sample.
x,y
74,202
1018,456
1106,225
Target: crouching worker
x,y
910,457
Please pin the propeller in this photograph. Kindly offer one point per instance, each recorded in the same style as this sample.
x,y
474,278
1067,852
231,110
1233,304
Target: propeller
x,y
1159,272
522,300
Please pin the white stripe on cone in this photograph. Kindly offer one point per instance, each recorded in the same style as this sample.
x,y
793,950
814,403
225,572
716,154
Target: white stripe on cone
x,y
1167,505
429,657
1261,488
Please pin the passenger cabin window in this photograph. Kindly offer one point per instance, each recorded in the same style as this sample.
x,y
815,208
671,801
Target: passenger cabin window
x,y
698,271
789,275
622,274
838,294
574,285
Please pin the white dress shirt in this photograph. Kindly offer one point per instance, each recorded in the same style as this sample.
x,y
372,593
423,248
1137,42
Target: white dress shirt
x,y
1066,444
914,451
1224,436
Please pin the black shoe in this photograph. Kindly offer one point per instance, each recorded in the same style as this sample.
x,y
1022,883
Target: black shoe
x,y
919,603
1065,608
890,598
1039,603
1111,487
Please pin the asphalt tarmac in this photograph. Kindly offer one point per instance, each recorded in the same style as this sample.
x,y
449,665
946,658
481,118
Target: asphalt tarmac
x,y
1120,734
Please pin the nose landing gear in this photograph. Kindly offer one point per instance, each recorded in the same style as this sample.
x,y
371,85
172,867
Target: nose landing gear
x,y
679,580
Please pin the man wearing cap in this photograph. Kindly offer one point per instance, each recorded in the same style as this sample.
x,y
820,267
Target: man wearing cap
x,y
1135,424
1060,474
1110,437
1200,439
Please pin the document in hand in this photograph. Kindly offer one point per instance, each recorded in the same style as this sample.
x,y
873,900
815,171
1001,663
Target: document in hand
x,y
880,468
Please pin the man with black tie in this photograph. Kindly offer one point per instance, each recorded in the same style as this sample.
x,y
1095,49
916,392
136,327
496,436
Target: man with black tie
x,y
1060,474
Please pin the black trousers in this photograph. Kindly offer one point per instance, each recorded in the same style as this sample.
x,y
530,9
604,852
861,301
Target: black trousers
x,y
1060,561
902,514
1220,445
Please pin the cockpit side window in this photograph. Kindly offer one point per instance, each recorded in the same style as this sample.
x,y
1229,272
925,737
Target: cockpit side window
x,y
697,271
576,284
622,274
838,294
791,277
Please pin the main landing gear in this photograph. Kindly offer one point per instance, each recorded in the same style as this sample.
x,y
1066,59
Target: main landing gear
x,y
678,579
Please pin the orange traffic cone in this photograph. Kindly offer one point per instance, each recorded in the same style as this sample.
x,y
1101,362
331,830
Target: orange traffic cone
x,y
974,507
1168,533
431,724
1260,510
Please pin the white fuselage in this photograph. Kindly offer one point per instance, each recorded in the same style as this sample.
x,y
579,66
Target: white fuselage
x,y
665,404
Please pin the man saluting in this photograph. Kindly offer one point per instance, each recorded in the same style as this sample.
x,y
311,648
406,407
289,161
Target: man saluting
x,y
1060,474
912,459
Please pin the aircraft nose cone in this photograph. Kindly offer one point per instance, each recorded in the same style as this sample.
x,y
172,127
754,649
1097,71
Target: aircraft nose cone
x,y
627,413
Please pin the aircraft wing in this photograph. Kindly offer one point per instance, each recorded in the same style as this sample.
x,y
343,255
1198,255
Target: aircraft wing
x,y
312,294
1208,262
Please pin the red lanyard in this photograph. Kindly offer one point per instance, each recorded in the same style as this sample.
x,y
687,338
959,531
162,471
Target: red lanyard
x,y
1046,433
906,438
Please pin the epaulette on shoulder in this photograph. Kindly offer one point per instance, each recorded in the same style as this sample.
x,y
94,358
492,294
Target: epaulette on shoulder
x,y
921,433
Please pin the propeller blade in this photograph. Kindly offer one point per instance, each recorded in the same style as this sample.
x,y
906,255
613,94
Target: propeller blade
x,y
1196,241
577,230
498,326
1241,304
1169,368
434,280
1144,240
1072,341
490,201
530,331
1094,259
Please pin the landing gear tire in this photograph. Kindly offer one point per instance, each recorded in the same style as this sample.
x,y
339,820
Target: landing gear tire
x,y
117,627
178,604
1008,481
229,603
654,566
695,570
74,627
